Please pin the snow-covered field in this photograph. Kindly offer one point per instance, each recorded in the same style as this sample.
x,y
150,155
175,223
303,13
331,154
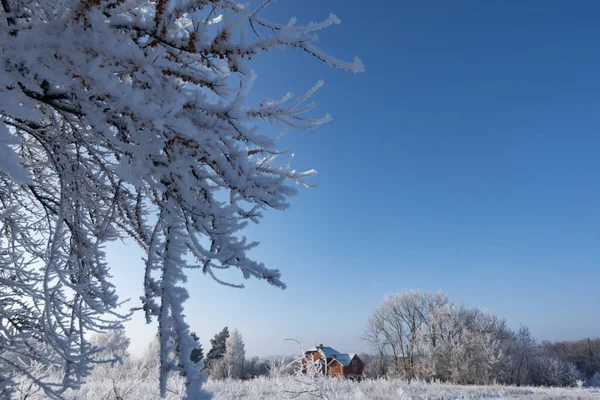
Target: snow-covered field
x,y
385,390
330,389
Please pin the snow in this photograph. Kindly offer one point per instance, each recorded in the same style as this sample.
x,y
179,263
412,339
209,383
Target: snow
x,y
329,352
331,388
339,389
345,359
137,379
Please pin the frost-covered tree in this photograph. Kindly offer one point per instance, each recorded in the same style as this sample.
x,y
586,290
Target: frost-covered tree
x,y
522,352
549,370
148,365
431,338
235,354
113,343
130,118
399,322
374,365
585,354
113,362
252,366
379,339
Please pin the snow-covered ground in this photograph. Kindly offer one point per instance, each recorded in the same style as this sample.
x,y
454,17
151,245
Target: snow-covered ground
x,y
284,388
330,389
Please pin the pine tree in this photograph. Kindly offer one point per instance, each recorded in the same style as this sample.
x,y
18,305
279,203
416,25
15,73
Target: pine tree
x,y
197,354
218,346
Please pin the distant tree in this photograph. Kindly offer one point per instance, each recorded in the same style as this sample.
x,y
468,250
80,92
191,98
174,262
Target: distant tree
x,y
213,361
116,363
523,351
235,354
251,367
113,343
218,345
585,354
431,338
372,365
262,367
197,353
549,370
400,322
148,364
376,337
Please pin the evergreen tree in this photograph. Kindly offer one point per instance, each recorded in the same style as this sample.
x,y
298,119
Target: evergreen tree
x,y
197,354
218,344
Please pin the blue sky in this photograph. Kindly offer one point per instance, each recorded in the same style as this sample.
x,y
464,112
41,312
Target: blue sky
x,y
465,159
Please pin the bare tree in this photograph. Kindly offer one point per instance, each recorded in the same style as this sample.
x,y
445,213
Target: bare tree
x,y
435,339
523,350
374,335
398,324
585,354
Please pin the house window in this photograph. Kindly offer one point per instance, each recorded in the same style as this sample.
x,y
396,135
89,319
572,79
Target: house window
x,y
354,365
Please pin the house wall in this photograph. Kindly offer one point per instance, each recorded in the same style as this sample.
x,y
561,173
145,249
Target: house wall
x,y
315,355
349,370
335,369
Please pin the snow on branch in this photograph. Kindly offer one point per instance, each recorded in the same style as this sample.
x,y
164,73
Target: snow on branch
x,y
131,118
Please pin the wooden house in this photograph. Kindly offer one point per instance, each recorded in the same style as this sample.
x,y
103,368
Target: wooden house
x,y
334,363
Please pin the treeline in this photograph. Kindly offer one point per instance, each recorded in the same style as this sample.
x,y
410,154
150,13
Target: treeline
x,y
118,375
419,334
227,357
584,354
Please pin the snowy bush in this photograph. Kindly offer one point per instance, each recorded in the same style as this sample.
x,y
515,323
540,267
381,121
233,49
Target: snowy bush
x,y
549,370
280,368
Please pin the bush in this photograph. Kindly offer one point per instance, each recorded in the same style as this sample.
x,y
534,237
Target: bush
x,y
549,370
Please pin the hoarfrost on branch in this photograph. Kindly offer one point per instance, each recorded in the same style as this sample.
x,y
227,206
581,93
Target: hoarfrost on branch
x,y
129,118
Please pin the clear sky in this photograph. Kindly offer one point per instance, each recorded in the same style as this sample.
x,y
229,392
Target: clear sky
x,y
465,159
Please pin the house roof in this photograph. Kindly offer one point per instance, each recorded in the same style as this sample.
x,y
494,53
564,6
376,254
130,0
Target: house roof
x,y
328,352
345,359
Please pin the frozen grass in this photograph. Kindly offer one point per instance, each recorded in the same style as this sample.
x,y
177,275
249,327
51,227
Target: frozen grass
x,y
294,387
334,389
